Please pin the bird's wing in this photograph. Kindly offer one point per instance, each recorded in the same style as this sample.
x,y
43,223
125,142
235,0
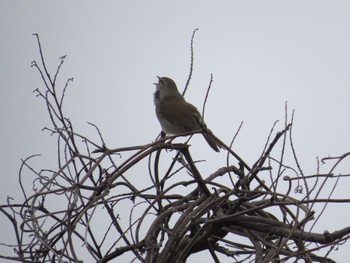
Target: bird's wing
x,y
181,113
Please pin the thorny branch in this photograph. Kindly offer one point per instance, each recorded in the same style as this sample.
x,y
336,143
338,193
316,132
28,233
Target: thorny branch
x,y
101,203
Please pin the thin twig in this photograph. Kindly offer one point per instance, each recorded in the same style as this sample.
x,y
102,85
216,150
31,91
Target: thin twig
x,y
191,64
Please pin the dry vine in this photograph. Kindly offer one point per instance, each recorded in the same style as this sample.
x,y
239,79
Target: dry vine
x,y
93,208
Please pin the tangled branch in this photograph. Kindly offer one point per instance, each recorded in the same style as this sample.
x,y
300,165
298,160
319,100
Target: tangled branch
x,y
96,207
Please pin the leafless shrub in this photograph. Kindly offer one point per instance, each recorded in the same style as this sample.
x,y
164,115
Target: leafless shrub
x,y
94,208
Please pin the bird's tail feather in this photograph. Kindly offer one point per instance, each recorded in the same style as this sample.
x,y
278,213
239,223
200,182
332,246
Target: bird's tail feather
x,y
211,139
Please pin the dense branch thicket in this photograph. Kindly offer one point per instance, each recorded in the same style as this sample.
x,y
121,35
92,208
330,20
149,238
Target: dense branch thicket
x,y
152,203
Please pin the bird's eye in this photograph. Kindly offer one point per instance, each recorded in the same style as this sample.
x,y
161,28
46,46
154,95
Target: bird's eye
x,y
156,94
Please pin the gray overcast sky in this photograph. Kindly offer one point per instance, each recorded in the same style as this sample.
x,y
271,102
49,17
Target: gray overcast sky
x,y
261,53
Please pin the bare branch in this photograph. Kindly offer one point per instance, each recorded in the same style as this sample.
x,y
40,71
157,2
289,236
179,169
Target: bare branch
x,y
157,203
191,64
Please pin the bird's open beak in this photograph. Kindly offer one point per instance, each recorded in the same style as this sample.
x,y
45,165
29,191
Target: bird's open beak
x,y
158,80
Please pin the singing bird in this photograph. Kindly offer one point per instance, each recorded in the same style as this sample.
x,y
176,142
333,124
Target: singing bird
x,y
178,116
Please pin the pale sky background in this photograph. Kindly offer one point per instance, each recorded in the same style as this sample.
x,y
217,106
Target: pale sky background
x,y
261,53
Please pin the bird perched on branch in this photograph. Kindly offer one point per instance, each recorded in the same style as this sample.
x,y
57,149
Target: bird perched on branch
x,y
178,116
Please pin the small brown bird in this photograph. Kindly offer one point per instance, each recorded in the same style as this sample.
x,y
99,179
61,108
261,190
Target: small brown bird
x,y
178,116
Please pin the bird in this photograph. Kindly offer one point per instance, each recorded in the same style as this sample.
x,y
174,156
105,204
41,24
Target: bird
x,y
177,116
